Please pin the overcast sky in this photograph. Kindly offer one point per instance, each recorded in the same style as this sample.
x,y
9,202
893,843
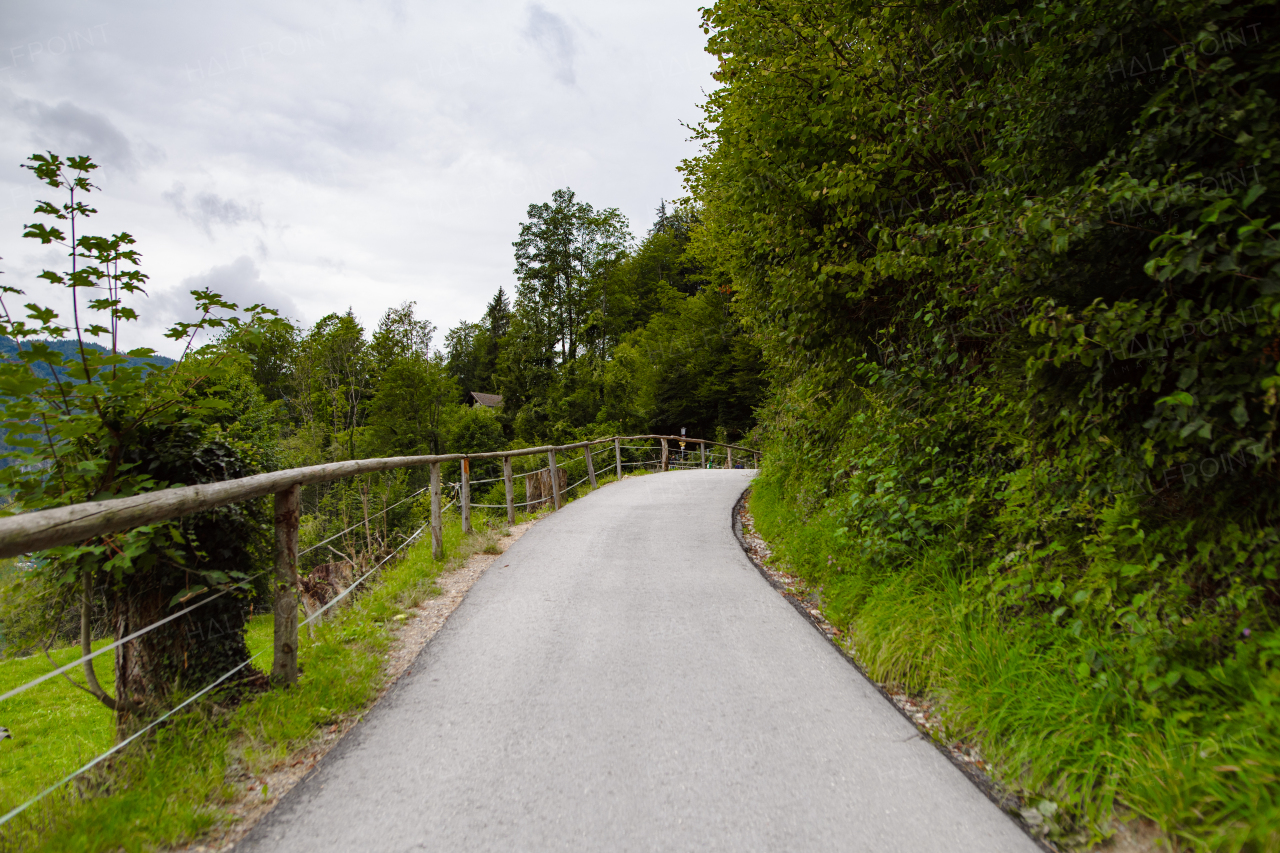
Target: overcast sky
x,y
319,156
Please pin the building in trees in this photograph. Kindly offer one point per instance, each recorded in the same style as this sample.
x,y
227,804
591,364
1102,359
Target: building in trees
x,y
488,401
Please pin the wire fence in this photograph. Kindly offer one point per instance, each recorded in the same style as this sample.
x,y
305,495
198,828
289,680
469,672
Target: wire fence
x,y
206,600
363,523
454,487
213,685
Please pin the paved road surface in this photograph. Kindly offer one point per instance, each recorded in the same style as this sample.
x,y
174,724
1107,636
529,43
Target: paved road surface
x,y
624,679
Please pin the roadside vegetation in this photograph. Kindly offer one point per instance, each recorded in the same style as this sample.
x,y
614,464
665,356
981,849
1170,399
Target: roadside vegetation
x,y
1013,269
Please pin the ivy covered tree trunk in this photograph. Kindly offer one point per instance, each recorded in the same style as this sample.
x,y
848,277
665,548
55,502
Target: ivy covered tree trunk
x,y
84,420
216,557
179,657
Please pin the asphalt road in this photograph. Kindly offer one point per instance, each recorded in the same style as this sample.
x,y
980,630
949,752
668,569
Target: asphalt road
x,y
624,679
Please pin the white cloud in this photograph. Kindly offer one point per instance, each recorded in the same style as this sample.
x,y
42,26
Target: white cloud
x,y
71,131
344,154
239,282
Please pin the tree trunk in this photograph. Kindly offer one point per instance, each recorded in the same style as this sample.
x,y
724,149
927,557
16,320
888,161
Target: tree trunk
x,y
181,656
196,649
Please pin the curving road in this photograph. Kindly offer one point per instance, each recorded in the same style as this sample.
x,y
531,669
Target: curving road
x,y
624,679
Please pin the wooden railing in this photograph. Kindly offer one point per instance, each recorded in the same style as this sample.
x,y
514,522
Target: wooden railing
x,y
70,525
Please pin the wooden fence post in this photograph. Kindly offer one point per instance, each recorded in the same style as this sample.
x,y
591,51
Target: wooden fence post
x,y
437,529
466,495
591,467
555,477
729,462
664,453
284,668
511,490
617,456
702,449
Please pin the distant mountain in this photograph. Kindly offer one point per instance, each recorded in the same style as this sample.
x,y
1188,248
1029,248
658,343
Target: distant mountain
x,y
70,349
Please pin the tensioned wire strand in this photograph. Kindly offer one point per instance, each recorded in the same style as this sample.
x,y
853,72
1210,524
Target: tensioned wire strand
x,y
383,562
15,691
40,796
362,523
541,500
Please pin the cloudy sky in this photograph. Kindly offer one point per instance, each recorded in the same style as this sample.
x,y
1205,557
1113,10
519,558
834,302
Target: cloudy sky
x,y
319,156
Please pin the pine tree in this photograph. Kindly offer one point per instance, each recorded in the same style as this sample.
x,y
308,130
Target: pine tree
x,y
498,315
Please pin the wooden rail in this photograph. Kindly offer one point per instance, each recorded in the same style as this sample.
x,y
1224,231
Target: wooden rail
x,y
69,525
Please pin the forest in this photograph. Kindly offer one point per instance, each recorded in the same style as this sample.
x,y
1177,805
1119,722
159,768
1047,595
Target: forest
x,y
601,336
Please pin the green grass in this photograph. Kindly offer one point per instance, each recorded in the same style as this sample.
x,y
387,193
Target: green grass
x,y
1013,688
171,788
55,727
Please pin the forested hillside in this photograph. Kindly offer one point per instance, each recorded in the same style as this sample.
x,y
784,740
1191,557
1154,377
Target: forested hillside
x,y
1013,270
8,348
67,349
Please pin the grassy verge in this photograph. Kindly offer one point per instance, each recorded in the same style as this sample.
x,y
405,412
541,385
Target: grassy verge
x,y
1078,752
57,728
175,786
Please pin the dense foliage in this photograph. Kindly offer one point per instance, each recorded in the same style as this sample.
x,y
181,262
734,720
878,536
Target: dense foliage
x,y
86,422
1013,269
606,336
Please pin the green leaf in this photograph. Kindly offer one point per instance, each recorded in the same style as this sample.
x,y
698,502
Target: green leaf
x,y
1178,398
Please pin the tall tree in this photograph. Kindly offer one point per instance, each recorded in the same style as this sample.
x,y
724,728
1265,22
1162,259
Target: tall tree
x,y
333,375
408,414
412,389
644,282
563,256
497,317
400,334
272,356
664,248
465,347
